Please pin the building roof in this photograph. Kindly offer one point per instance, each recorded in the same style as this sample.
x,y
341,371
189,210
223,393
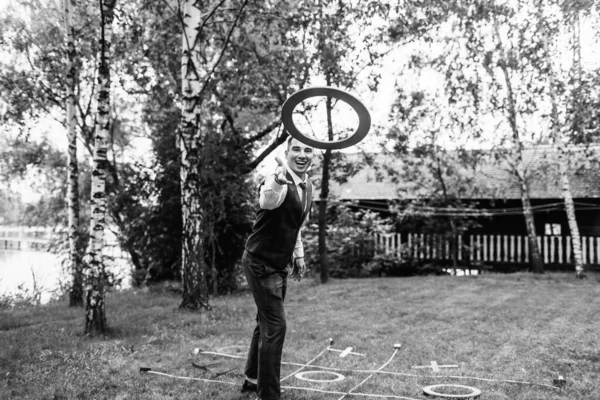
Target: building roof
x,y
491,178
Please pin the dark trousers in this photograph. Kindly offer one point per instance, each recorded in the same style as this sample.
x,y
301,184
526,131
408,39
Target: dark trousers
x,y
264,357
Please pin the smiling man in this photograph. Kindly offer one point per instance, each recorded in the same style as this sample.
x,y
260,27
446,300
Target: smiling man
x,y
274,244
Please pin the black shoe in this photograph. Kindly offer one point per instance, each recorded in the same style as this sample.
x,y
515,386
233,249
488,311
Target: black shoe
x,y
248,386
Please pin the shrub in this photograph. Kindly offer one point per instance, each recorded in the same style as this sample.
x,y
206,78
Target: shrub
x,y
350,244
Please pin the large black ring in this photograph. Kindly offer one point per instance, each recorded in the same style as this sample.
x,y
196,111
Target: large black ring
x,y
364,118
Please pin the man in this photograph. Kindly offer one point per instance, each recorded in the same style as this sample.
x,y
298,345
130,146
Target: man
x,y
275,243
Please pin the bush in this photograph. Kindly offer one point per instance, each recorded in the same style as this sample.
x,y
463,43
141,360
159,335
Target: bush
x,y
350,244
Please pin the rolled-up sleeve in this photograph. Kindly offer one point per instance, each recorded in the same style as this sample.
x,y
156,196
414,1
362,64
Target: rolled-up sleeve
x,y
272,194
299,247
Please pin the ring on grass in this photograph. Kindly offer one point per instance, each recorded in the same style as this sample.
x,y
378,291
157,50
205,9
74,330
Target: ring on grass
x,y
474,392
364,118
337,377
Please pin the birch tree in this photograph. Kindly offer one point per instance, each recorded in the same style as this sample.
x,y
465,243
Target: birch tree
x,y
493,40
193,266
94,269
518,165
558,126
76,290
195,78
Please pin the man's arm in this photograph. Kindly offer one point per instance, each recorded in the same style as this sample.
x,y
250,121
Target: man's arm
x,y
272,194
274,189
298,264
299,247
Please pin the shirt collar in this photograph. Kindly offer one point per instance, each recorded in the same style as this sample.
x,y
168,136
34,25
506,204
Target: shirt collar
x,y
295,177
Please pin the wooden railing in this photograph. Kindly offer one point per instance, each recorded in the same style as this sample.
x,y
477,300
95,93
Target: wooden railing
x,y
38,238
508,249
24,238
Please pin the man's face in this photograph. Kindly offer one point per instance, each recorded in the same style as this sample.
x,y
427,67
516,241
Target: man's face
x,y
299,157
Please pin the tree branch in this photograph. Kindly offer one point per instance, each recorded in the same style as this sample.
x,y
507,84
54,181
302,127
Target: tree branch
x,y
278,141
227,39
264,132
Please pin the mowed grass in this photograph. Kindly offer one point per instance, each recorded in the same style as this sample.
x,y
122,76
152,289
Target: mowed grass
x,y
519,327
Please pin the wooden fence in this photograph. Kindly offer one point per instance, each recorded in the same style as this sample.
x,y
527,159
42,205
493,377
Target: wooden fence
x,y
482,249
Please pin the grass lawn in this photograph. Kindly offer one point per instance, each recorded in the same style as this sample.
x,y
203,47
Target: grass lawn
x,y
518,327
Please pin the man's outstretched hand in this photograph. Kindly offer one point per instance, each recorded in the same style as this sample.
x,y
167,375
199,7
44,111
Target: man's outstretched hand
x,y
298,268
280,173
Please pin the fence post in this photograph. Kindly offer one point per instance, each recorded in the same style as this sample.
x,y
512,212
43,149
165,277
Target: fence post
x,y
400,246
484,248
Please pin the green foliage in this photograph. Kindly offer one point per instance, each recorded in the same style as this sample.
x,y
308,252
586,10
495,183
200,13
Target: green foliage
x,y
150,229
227,205
434,178
32,76
350,240
43,167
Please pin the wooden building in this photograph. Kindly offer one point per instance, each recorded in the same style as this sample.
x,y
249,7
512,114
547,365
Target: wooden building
x,y
491,195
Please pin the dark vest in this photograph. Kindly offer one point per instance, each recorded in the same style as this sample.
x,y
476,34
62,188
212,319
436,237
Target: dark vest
x,y
274,234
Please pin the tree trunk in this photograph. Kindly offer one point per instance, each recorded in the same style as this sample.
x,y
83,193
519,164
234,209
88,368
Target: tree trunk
x,y
558,139
537,263
519,169
193,266
570,210
76,290
323,256
95,273
569,206
454,237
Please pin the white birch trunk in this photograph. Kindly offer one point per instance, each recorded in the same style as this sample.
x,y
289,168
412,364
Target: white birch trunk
x,y
193,265
569,206
95,274
558,139
536,258
76,290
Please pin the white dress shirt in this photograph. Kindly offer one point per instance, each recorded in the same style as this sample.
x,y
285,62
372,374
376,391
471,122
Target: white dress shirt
x,y
272,195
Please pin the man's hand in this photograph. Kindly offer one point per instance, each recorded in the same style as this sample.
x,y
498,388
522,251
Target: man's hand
x,y
298,268
280,177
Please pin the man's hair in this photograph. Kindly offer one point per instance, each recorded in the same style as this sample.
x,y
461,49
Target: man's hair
x,y
289,141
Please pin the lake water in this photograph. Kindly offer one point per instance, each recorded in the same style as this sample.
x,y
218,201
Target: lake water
x,y
21,271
